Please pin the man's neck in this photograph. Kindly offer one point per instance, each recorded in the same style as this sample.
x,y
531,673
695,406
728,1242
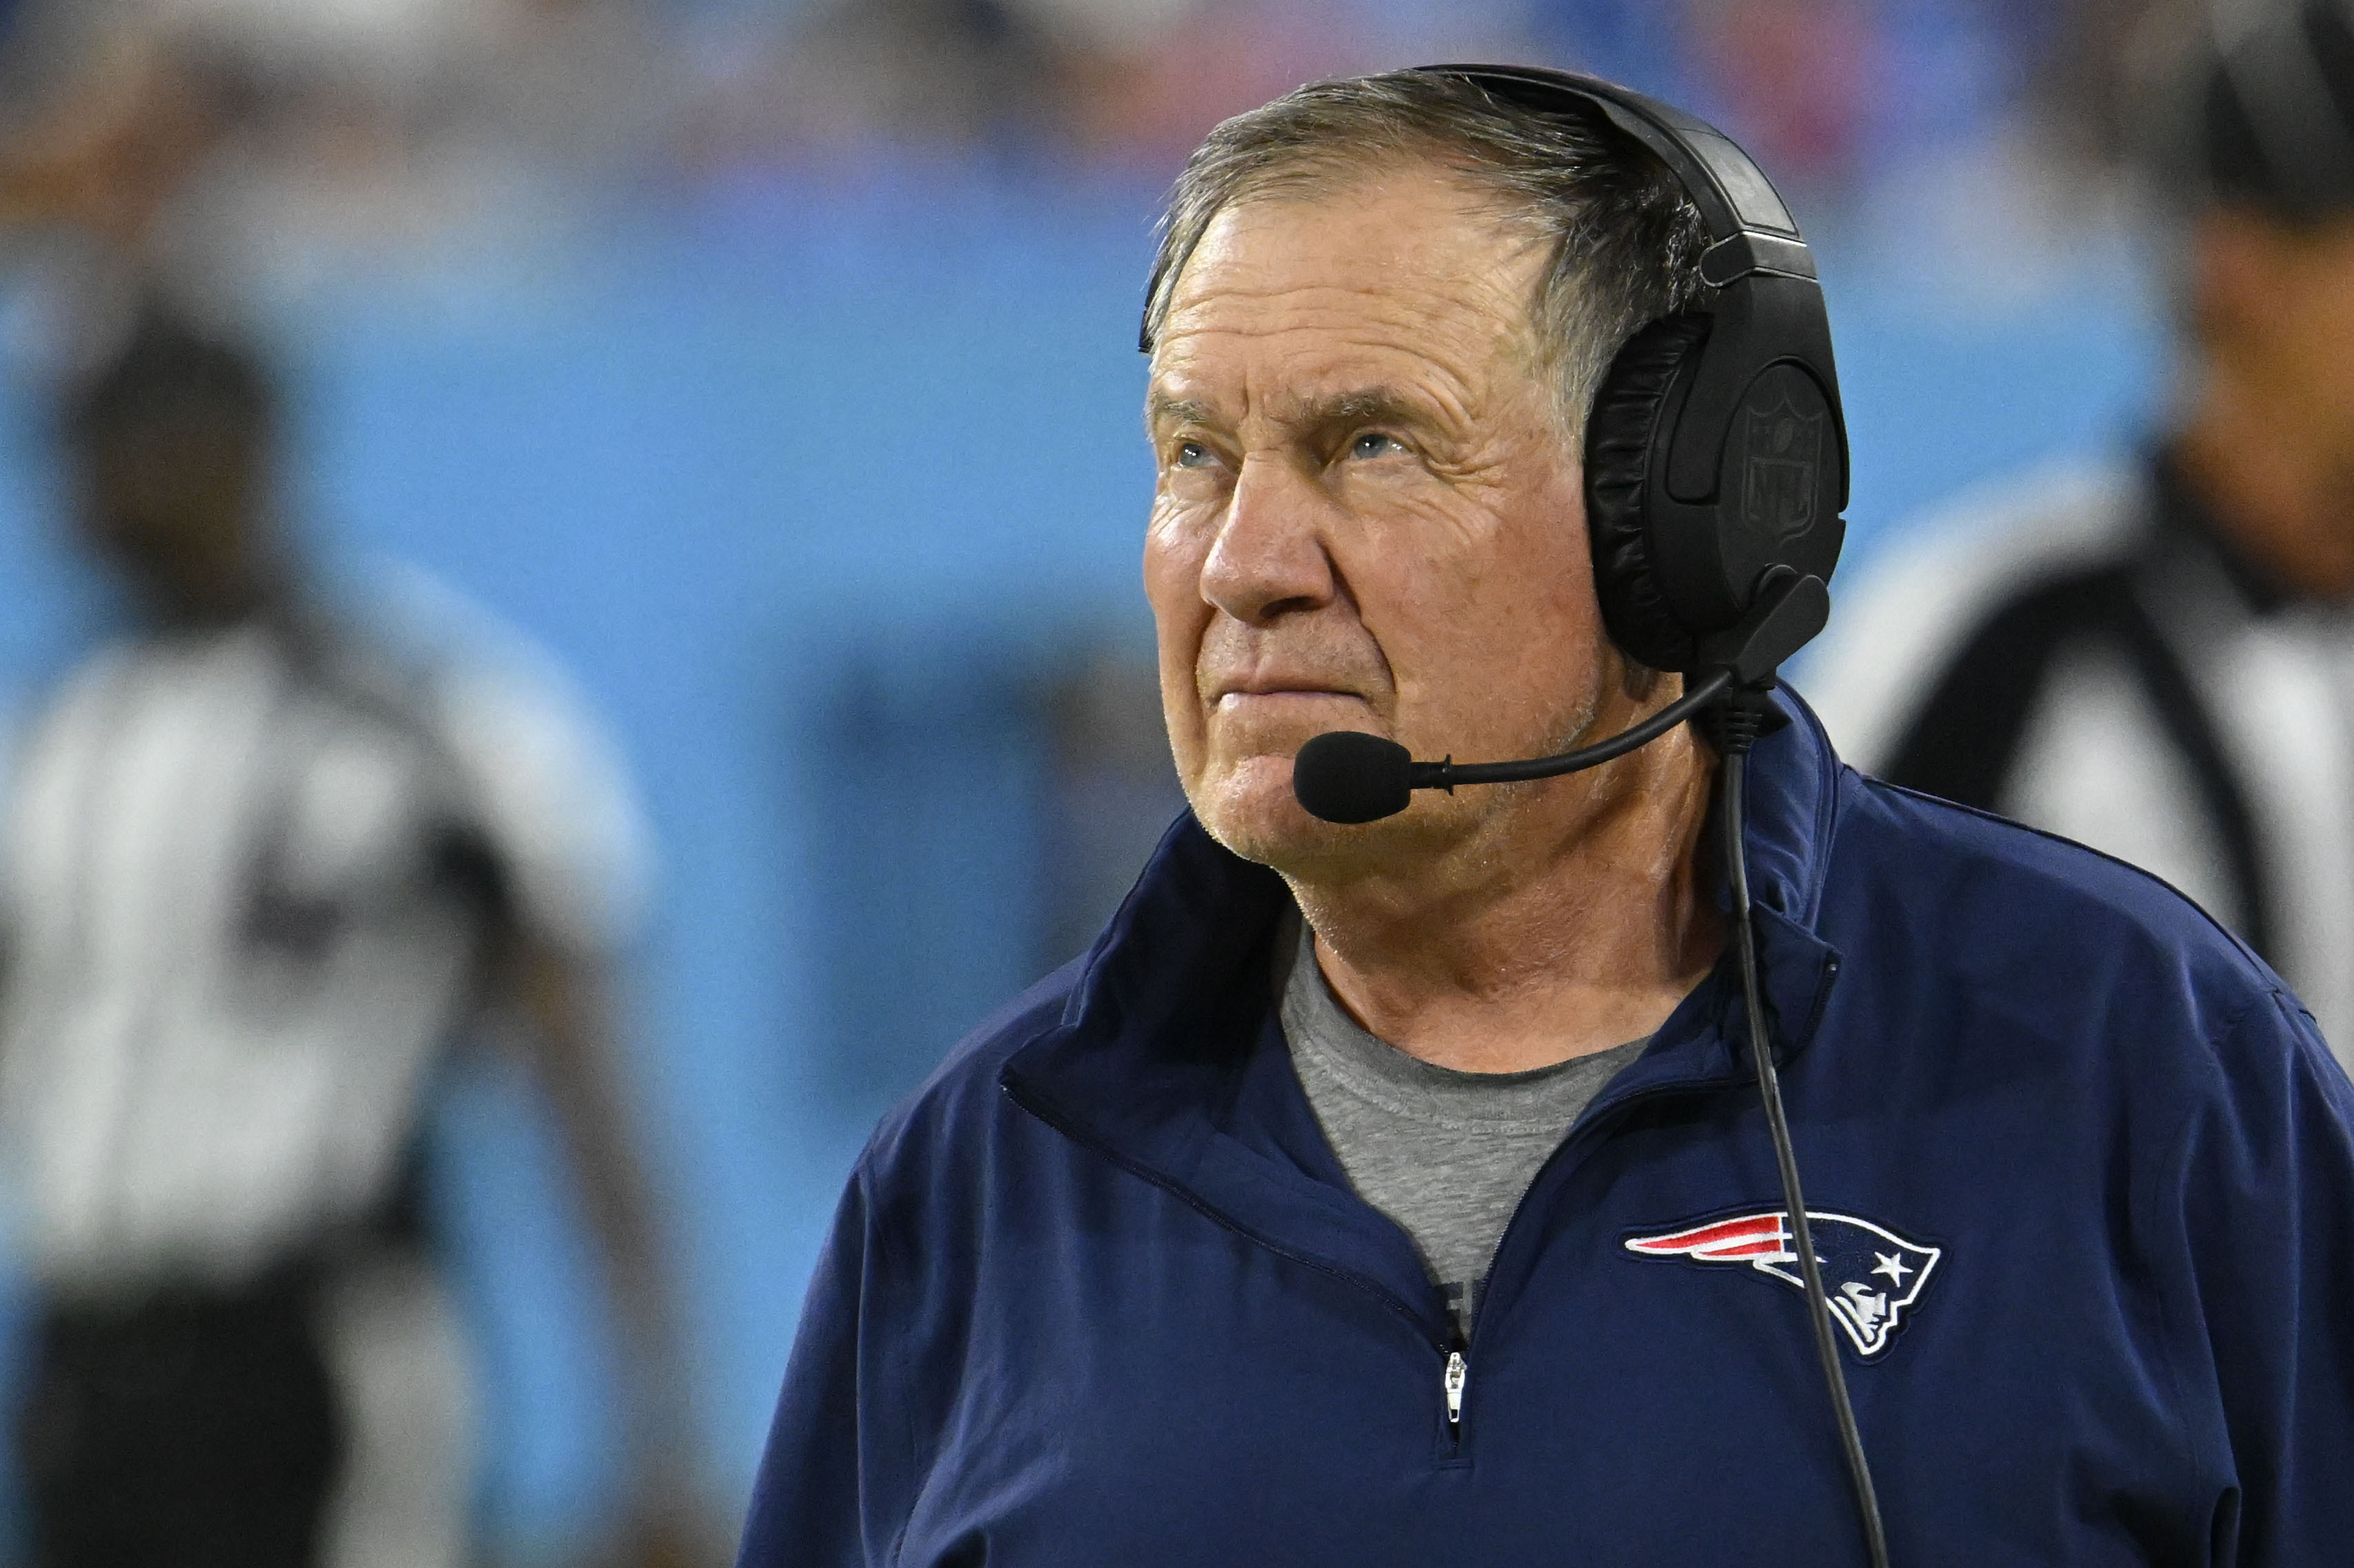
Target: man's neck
x,y
1575,924
214,601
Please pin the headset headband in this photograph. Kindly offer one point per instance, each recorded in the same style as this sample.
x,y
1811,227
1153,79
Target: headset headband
x,y
1749,230
1716,453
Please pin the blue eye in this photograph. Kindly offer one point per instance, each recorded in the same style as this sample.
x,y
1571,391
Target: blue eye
x,y
1374,444
1191,454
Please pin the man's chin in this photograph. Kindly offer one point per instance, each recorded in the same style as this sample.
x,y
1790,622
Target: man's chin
x,y
1250,809
1253,812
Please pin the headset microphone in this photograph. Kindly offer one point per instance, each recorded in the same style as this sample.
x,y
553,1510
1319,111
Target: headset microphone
x,y
1715,462
1346,776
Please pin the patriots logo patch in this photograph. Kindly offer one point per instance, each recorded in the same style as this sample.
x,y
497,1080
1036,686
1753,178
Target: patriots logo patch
x,y
1871,1275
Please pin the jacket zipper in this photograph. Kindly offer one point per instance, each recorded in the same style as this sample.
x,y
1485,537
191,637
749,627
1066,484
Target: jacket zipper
x,y
1458,1373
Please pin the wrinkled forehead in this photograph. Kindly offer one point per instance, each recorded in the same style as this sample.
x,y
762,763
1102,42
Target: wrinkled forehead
x,y
1413,257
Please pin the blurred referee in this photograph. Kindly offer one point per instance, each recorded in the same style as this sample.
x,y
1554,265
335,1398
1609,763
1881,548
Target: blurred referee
x,y
260,869
2156,659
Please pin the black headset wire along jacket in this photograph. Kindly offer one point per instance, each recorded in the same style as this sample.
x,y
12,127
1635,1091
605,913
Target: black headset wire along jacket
x,y
1716,471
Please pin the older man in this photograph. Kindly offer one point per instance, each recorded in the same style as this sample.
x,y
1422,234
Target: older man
x,y
1401,1192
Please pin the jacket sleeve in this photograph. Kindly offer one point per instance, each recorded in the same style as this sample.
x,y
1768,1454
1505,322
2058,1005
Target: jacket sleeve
x,y
2266,1185
827,1495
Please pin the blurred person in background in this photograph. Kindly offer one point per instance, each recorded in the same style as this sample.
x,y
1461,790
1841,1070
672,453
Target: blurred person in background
x,y
263,866
2159,659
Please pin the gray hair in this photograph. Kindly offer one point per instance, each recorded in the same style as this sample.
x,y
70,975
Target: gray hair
x,y
1626,240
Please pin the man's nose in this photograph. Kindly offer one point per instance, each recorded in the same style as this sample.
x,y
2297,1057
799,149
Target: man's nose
x,y
1270,559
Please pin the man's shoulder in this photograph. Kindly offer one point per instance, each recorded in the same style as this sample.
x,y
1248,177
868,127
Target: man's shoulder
x,y
2013,904
539,774
2020,955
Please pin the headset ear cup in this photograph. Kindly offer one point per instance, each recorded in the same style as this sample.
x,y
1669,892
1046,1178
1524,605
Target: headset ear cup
x,y
1621,434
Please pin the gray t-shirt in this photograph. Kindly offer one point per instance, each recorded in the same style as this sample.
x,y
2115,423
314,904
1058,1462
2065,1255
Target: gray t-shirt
x,y
1447,1154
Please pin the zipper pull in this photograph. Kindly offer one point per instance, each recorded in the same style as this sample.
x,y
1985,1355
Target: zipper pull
x,y
1457,1370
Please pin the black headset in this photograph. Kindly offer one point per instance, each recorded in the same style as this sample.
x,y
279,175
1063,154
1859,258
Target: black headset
x,y
1715,452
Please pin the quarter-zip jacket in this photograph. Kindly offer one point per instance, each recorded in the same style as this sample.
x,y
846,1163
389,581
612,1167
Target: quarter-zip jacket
x,y
1099,1294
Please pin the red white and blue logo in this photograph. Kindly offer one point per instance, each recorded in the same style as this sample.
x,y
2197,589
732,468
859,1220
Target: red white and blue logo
x,y
1871,1275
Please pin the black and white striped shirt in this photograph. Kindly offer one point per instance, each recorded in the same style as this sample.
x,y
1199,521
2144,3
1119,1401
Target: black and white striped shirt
x,y
248,884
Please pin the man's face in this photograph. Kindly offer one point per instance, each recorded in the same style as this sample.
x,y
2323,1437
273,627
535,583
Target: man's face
x,y
2273,304
171,503
2283,294
1367,516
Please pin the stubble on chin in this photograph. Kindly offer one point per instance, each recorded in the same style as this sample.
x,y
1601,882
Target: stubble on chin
x,y
1243,804
1248,806
1250,809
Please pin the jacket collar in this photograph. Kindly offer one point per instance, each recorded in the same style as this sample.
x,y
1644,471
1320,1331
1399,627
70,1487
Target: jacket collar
x,y
1168,1057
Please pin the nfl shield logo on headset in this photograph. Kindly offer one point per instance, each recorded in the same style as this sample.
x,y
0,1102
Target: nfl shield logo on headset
x,y
1777,483
1871,1275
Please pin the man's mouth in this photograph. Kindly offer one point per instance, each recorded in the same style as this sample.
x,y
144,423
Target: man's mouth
x,y
1262,691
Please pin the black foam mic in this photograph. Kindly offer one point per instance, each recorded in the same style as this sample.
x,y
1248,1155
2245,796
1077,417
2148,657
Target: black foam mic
x,y
1346,776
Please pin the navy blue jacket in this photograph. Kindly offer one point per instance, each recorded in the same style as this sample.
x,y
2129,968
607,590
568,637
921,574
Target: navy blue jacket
x,y
1099,1294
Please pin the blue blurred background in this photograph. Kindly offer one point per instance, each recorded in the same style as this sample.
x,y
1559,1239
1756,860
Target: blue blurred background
x,y
772,366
